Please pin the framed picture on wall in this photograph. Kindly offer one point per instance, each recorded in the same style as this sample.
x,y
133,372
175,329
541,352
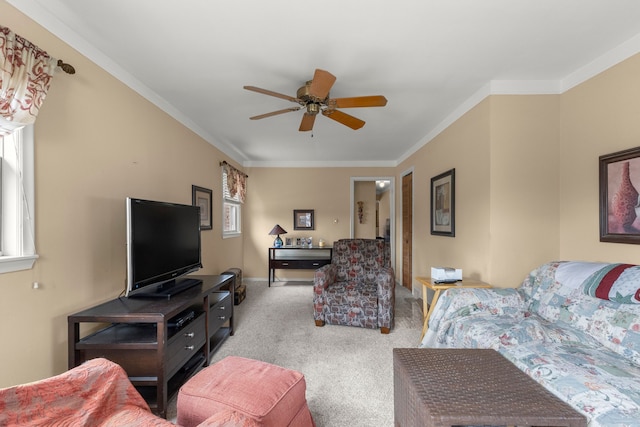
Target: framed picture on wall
x,y
619,190
443,207
202,197
303,219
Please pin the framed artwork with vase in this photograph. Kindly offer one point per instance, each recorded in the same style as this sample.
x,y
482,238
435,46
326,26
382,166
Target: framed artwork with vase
x,y
443,204
619,204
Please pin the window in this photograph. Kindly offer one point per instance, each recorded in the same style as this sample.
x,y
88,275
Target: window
x,y
231,210
17,226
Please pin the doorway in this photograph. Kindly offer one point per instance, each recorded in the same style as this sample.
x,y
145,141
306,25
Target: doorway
x,y
373,209
407,230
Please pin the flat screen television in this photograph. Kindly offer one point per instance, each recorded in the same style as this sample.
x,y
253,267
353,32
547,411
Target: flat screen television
x,y
163,244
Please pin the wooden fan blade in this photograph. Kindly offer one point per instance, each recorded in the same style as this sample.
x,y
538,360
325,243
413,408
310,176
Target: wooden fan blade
x,y
274,113
359,101
344,118
321,84
307,122
271,93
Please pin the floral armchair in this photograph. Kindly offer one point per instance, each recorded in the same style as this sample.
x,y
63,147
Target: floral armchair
x,y
357,288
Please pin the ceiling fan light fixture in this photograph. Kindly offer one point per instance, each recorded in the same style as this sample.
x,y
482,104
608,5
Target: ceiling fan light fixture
x,y
305,96
313,108
303,92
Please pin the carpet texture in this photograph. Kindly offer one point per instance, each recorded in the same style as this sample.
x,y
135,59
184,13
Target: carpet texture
x,y
348,370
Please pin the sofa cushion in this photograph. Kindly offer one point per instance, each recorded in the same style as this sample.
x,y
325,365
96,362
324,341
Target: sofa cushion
x,y
496,332
358,258
615,282
355,294
592,379
612,324
457,304
351,304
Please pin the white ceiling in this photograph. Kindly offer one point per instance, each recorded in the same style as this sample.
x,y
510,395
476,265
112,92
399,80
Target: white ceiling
x,y
432,60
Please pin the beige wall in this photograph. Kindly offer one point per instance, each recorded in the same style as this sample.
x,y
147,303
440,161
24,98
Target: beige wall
x,y
527,179
600,116
273,194
465,146
97,142
504,152
524,189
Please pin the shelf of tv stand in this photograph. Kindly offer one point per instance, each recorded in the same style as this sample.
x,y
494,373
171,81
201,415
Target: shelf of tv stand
x,y
135,333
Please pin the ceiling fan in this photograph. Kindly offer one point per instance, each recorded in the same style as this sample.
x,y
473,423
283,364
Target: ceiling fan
x,y
314,98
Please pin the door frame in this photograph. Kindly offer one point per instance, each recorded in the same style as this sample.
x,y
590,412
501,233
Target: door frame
x,y
392,209
415,290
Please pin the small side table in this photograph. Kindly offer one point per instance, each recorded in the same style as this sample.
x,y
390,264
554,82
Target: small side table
x,y
427,283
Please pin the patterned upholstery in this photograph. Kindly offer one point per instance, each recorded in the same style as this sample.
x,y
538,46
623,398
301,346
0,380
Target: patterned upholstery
x,y
96,393
357,288
583,349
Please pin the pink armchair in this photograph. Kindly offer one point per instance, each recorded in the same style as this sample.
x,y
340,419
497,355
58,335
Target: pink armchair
x,y
357,288
96,393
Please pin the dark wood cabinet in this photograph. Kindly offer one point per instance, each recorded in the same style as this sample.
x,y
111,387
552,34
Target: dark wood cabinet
x,y
160,343
298,258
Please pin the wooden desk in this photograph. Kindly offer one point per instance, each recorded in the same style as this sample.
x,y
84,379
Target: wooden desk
x,y
427,283
298,258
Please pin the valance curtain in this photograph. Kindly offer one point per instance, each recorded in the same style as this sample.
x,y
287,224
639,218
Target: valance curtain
x,y
236,182
26,72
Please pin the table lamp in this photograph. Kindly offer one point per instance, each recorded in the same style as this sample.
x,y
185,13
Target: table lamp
x,y
277,231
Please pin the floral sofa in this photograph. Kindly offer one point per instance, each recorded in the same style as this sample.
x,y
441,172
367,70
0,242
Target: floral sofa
x,y
357,288
572,326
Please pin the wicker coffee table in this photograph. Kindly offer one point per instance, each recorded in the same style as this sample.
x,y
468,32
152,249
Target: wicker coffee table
x,y
445,387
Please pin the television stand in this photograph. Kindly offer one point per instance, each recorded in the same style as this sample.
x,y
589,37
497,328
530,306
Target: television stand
x,y
159,343
169,289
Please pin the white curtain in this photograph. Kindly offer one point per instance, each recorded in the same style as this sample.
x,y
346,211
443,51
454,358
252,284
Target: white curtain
x,y
26,72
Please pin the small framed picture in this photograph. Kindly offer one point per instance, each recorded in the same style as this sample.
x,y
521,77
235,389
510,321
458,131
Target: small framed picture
x,y
288,241
303,219
202,197
443,205
619,190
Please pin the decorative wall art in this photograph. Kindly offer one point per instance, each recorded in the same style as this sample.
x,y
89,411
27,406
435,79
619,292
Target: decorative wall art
x,y
202,197
303,219
361,212
619,204
443,204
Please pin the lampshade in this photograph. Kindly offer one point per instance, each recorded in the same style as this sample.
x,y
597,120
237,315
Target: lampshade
x,y
277,230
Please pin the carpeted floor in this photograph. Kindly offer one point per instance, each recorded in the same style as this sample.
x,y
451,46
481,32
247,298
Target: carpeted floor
x,y
348,370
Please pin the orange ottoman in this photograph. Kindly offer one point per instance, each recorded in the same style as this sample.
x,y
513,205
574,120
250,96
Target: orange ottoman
x,y
257,392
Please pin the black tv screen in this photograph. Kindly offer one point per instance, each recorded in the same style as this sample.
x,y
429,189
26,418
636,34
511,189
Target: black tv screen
x,y
163,244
